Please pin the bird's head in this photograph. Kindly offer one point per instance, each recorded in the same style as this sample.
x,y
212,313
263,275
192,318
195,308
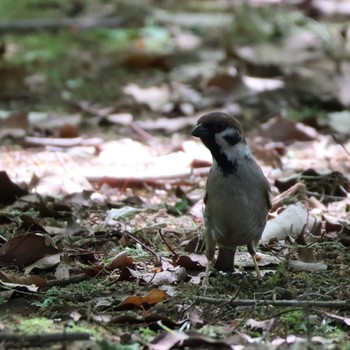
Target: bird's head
x,y
219,129
223,136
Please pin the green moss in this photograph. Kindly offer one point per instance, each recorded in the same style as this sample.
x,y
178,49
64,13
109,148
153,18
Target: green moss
x,y
294,322
279,277
35,325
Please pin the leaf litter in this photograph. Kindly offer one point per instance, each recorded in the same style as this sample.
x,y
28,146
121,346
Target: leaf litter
x,y
101,223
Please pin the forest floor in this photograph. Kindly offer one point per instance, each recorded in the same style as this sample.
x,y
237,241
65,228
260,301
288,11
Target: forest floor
x,y
101,184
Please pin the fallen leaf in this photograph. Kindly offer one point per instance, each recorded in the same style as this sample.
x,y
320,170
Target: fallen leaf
x,y
44,263
121,260
155,296
9,191
293,221
22,280
155,97
193,262
26,249
280,129
340,122
260,325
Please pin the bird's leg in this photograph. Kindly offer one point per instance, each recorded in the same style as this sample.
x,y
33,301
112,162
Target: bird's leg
x,y
256,266
252,251
209,252
206,277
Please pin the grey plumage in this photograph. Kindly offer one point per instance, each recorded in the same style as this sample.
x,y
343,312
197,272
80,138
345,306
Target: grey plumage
x,y
237,193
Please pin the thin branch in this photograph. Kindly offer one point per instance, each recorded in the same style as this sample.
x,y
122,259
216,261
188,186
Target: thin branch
x,y
139,180
62,142
144,246
65,282
44,338
166,243
42,24
280,303
336,139
325,196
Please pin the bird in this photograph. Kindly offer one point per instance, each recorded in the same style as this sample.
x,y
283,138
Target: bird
x,y
237,194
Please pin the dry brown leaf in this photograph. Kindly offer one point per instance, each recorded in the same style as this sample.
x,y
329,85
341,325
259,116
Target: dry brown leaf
x,y
44,263
22,280
26,249
155,296
9,191
280,129
194,262
121,260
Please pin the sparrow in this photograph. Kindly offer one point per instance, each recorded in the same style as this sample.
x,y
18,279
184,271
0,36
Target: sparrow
x,y
237,196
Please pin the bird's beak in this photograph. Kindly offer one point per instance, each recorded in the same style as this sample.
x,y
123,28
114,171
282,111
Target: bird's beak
x,y
200,130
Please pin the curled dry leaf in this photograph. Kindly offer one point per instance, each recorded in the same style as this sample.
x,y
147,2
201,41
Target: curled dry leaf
x,y
22,280
193,262
26,249
162,278
120,260
44,263
281,129
9,191
155,296
293,221
260,325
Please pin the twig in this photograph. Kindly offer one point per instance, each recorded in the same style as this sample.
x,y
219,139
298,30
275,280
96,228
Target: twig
x,y
225,302
144,246
325,196
341,144
32,25
44,338
144,134
62,142
295,303
166,243
140,180
299,187
74,279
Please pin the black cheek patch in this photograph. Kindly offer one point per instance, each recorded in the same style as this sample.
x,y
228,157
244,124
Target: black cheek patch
x,y
226,165
232,139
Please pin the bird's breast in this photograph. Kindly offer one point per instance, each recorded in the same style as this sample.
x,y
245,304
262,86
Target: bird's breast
x,y
236,207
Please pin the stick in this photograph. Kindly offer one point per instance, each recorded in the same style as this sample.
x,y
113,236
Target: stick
x,y
32,25
280,303
44,338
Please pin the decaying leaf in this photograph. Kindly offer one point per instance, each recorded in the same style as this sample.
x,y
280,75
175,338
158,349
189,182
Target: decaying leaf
x,y
9,191
44,263
293,221
22,280
121,260
26,249
155,296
